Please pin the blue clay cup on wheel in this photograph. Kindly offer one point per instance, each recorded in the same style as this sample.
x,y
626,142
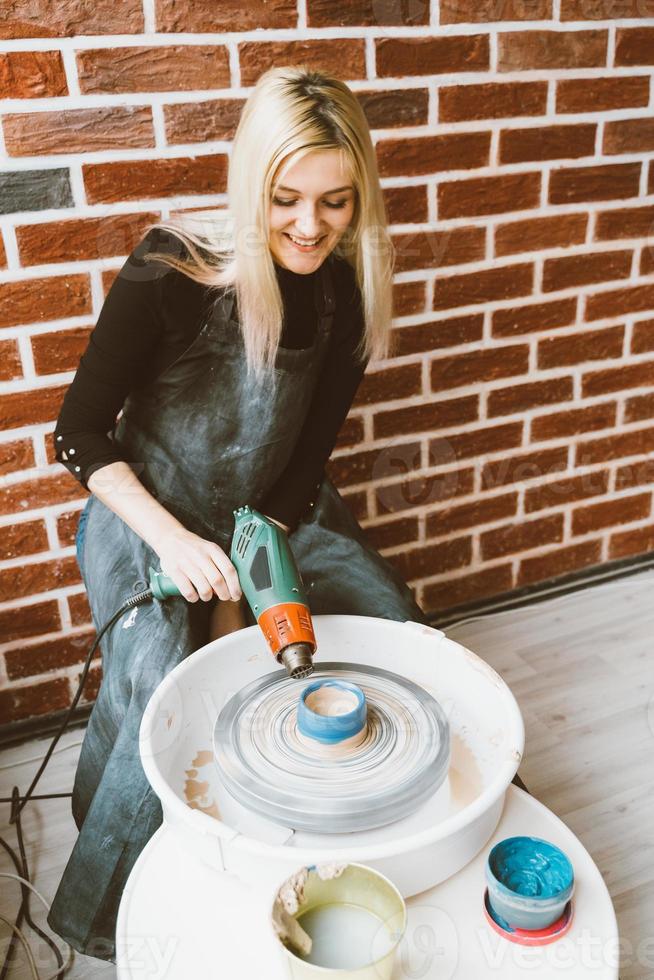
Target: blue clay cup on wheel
x,y
332,729
530,882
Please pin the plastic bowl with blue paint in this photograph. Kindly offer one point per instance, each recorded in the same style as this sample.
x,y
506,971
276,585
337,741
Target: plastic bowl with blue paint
x,y
530,882
332,712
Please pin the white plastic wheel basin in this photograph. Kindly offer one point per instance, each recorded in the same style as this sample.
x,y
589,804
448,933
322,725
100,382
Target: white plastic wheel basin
x,y
417,852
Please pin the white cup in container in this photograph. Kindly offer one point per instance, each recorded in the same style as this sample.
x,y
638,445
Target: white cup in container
x,y
354,919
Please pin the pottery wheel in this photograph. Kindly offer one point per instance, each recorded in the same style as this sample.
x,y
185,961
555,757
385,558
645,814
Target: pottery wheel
x,y
270,768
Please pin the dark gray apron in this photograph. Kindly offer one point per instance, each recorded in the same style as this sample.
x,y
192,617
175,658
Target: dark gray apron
x,y
204,441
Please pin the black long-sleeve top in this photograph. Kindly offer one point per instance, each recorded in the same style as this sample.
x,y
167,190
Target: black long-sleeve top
x,y
151,315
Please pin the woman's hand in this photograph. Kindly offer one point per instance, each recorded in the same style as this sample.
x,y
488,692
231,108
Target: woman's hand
x,y
197,567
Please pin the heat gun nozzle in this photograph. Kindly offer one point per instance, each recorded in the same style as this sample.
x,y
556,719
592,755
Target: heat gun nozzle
x,y
298,660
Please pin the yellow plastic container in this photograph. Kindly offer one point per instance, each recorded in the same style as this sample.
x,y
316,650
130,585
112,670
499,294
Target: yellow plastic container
x,y
355,918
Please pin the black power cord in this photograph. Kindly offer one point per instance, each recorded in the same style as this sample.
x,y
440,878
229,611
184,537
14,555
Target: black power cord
x,y
18,802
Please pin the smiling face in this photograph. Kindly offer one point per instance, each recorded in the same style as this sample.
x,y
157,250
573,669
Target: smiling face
x,y
315,199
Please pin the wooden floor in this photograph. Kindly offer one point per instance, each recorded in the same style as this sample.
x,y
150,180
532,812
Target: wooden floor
x,y
582,669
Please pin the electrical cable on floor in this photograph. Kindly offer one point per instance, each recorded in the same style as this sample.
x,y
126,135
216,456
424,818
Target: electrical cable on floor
x,y
18,802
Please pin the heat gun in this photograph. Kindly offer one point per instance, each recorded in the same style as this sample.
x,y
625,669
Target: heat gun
x,y
272,584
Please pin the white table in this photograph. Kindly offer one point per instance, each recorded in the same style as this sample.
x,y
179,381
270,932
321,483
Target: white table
x,y
178,919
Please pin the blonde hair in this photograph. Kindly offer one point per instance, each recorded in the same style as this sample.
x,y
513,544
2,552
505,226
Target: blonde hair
x,y
290,112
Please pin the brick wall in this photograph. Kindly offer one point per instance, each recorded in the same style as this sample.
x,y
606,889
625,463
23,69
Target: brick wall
x,y
510,439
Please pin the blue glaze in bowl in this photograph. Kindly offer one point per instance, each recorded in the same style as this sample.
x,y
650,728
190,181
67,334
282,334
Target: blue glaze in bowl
x,y
331,729
529,882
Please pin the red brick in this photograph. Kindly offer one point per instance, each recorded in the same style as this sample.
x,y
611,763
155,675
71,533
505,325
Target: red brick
x,y
629,136
423,491
555,564
535,234
591,345
514,538
15,498
77,239
32,74
42,657
433,249
572,422
28,700
646,261
164,68
605,9
3,254
80,612
201,122
20,408
478,366
48,298
357,504
25,538
567,271
78,130
91,683
601,94
208,17
484,286
433,559
547,143
618,378
408,298
374,464
30,579
163,177
528,50
477,512
397,107
596,183
406,204
639,408
10,362
453,592
438,334
60,350
426,417
566,489
391,534
636,443
344,57
480,442
351,432
625,222
528,466
520,398
642,339
67,525
636,542
635,45
622,510
491,100
488,195
399,57
636,474
534,317
417,155
616,302
29,620
66,18
489,11
389,383
17,455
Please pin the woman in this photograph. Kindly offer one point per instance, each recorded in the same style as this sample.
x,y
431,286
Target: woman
x,y
235,350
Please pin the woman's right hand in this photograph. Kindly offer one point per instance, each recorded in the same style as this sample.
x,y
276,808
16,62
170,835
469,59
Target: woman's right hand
x,y
199,568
